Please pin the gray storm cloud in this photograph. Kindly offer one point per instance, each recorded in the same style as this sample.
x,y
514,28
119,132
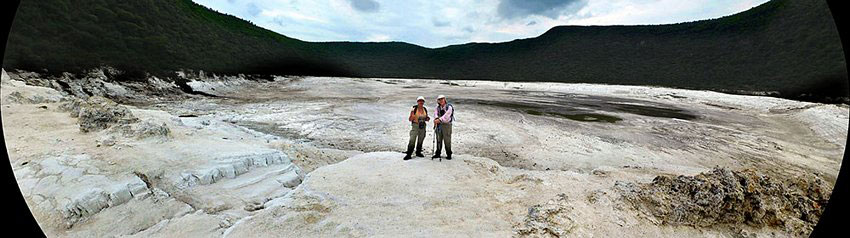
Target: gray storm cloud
x,y
365,5
549,8
439,23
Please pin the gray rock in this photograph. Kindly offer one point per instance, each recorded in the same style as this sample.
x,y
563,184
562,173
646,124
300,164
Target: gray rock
x,y
228,171
138,188
147,129
85,205
188,180
19,98
241,167
109,141
95,200
233,166
253,206
208,176
550,219
30,78
290,178
119,196
72,106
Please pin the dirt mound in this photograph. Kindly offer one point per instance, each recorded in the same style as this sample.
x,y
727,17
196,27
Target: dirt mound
x,y
98,113
723,196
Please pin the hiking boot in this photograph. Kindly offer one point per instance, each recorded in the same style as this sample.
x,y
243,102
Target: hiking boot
x,y
407,157
419,154
448,157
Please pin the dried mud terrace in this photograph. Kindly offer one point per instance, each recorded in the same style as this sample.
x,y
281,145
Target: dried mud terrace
x,y
320,157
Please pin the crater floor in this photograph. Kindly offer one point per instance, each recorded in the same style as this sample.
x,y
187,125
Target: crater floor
x,y
315,156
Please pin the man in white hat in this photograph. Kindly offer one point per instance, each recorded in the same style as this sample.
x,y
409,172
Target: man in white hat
x,y
443,118
418,117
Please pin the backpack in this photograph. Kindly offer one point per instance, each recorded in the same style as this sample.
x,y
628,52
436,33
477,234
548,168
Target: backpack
x,y
447,106
423,108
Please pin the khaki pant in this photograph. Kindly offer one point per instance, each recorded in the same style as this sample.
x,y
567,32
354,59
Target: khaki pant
x,y
417,136
444,134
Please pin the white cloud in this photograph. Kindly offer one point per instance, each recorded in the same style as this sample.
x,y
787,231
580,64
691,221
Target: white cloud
x,y
291,15
378,38
437,23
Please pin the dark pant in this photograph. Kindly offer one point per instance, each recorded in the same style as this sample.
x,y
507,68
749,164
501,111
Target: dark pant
x,y
444,134
417,136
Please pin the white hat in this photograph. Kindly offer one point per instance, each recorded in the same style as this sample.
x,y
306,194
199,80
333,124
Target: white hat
x,y
420,98
441,97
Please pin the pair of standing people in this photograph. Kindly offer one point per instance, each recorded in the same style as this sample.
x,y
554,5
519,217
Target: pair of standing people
x,y
443,118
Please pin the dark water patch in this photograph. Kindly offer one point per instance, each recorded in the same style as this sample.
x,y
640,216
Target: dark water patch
x,y
509,105
652,111
586,117
604,103
591,117
534,112
721,106
544,94
272,129
676,96
546,109
580,107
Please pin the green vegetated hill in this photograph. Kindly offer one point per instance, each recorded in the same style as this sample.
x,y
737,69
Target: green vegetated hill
x,y
787,46
153,36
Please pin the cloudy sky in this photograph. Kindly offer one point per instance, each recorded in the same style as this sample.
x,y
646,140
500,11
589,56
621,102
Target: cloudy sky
x,y
438,23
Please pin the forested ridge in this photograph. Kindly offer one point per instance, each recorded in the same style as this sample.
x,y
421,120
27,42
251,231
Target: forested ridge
x,y
786,46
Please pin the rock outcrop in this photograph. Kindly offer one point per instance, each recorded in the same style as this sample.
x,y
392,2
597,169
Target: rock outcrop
x,y
18,97
98,113
102,82
97,199
19,92
723,196
230,167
